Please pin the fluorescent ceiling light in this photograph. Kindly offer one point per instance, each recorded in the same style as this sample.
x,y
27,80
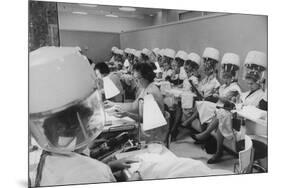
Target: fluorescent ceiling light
x,y
128,9
86,5
111,15
82,13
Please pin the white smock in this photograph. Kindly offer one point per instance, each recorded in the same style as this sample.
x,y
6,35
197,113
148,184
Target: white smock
x,y
208,85
254,98
155,166
74,169
160,133
207,110
225,117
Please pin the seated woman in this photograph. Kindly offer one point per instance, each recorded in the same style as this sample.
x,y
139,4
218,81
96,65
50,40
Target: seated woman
x,y
146,55
255,64
168,58
102,70
167,71
175,77
209,85
112,59
180,58
157,61
118,64
190,83
126,64
223,118
144,75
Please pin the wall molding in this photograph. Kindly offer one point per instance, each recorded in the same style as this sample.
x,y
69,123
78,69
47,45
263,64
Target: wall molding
x,y
65,29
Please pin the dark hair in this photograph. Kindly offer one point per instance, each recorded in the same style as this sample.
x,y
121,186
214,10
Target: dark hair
x,y
146,71
102,67
179,61
153,65
65,120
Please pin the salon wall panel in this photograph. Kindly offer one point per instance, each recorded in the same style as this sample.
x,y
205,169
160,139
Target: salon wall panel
x,y
227,32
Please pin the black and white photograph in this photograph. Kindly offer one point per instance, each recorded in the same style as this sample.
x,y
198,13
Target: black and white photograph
x,y
126,93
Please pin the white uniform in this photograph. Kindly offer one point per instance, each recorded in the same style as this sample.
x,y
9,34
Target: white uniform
x,y
183,74
74,169
208,84
157,134
155,166
158,68
254,98
111,60
126,64
167,73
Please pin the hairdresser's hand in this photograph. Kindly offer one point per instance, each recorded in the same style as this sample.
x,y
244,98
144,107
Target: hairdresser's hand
x,y
121,164
108,104
120,113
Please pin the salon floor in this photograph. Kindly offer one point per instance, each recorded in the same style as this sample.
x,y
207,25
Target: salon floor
x,y
184,147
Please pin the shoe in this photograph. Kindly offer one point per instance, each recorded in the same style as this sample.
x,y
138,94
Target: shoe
x,y
193,136
197,141
215,159
174,135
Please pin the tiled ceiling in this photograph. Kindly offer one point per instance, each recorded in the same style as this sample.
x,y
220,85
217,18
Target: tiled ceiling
x,y
105,9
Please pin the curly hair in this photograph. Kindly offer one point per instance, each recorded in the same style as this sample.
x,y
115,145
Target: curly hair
x,y
66,121
146,71
211,62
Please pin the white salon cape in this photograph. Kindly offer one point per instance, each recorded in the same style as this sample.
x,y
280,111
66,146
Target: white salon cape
x,y
74,169
155,166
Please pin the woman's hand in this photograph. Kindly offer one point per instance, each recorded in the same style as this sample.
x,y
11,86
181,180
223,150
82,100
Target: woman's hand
x,y
135,176
121,164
